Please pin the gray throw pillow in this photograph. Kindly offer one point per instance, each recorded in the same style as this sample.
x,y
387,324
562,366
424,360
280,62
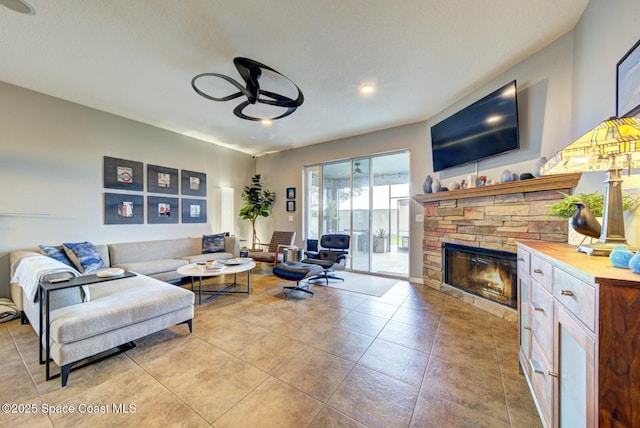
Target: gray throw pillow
x,y
213,243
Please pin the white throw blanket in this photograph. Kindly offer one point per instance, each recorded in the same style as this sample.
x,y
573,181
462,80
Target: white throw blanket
x,y
8,310
28,271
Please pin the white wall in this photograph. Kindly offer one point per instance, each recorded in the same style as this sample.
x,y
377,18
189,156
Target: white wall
x,y
604,34
544,98
51,156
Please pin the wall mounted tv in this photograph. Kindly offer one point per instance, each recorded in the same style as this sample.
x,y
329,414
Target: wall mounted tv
x,y
486,128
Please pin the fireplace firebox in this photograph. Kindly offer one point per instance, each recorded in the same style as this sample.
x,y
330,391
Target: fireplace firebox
x,y
488,273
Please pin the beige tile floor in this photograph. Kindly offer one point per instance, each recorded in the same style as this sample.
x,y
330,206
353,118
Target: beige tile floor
x,y
411,358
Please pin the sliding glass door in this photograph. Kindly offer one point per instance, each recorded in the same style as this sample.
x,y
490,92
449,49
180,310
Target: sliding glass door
x,y
312,199
390,214
368,199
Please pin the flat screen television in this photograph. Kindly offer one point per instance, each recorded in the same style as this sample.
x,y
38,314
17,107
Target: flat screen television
x,y
486,128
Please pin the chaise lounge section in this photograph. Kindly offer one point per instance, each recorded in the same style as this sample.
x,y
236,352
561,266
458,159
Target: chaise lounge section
x,y
120,311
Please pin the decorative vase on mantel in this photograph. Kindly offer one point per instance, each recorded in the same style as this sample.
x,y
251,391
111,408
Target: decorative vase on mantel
x,y
535,170
436,186
426,186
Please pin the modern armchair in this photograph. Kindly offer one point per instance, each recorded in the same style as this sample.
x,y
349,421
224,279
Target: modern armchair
x,y
311,249
273,254
331,256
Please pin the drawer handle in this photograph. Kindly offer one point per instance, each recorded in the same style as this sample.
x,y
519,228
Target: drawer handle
x,y
538,271
526,327
537,307
554,374
567,293
520,259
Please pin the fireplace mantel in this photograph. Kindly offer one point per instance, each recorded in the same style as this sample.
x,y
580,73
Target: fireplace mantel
x,y
551,182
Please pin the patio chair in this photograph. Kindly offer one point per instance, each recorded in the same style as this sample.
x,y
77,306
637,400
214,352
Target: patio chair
x,y
279,241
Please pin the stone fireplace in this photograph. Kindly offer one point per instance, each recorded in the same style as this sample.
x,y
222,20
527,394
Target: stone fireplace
x,y
491,217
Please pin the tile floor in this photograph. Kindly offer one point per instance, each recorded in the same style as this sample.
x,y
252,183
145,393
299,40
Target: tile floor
x,y
412,358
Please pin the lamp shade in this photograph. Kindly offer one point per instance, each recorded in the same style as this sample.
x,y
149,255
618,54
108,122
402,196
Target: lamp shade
x,y
611,146
598,149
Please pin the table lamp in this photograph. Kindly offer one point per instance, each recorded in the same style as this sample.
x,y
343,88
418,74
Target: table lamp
x,y
611,146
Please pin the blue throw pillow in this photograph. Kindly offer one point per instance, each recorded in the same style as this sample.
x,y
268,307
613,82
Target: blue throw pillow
x,y
57,253
84,255
213,243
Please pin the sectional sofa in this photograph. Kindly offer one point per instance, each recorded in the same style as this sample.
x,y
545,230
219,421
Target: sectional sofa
x,y
88,320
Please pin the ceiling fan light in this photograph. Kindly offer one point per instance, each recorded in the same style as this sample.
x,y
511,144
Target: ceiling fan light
x,y
367,89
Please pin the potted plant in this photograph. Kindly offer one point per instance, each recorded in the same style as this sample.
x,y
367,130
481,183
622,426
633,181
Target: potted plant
x,y
380,241
258,202
594,200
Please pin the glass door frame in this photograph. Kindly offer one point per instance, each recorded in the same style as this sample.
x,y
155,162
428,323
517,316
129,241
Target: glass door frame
x,y
355,240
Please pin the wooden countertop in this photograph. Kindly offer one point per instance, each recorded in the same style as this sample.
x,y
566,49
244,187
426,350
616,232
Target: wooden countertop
x,y
590,268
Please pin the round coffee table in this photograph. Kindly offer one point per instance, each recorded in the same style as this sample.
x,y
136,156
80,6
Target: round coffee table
x,y
231,266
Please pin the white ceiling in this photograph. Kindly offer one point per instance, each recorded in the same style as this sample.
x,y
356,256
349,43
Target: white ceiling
x,y
136,58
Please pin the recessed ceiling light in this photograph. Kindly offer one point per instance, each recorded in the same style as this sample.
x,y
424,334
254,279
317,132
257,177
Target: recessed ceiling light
x,y
19,6
367,89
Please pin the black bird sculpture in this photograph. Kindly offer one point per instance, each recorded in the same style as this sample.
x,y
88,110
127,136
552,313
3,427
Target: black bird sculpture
x,y
583,221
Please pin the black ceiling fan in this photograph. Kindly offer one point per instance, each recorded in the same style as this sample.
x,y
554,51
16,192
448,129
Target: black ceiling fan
x,y
250,71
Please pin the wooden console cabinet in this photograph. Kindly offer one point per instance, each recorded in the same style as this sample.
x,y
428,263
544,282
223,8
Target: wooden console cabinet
x,y
579,336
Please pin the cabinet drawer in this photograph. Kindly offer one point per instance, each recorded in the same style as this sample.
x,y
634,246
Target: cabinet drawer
x,y
541,310
577,296
542,382
523,261
542,272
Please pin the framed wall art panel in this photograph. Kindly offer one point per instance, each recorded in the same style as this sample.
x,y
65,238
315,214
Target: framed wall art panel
x,y
120,208
628,83
123,174
162,210
194,183
194,210
161,179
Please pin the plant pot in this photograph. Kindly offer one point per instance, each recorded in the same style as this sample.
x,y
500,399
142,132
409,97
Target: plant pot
x,y
380,245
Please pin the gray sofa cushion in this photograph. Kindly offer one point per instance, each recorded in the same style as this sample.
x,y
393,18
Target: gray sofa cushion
x,y
144,251
69,352
207,257
146,298
154,266
162,258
